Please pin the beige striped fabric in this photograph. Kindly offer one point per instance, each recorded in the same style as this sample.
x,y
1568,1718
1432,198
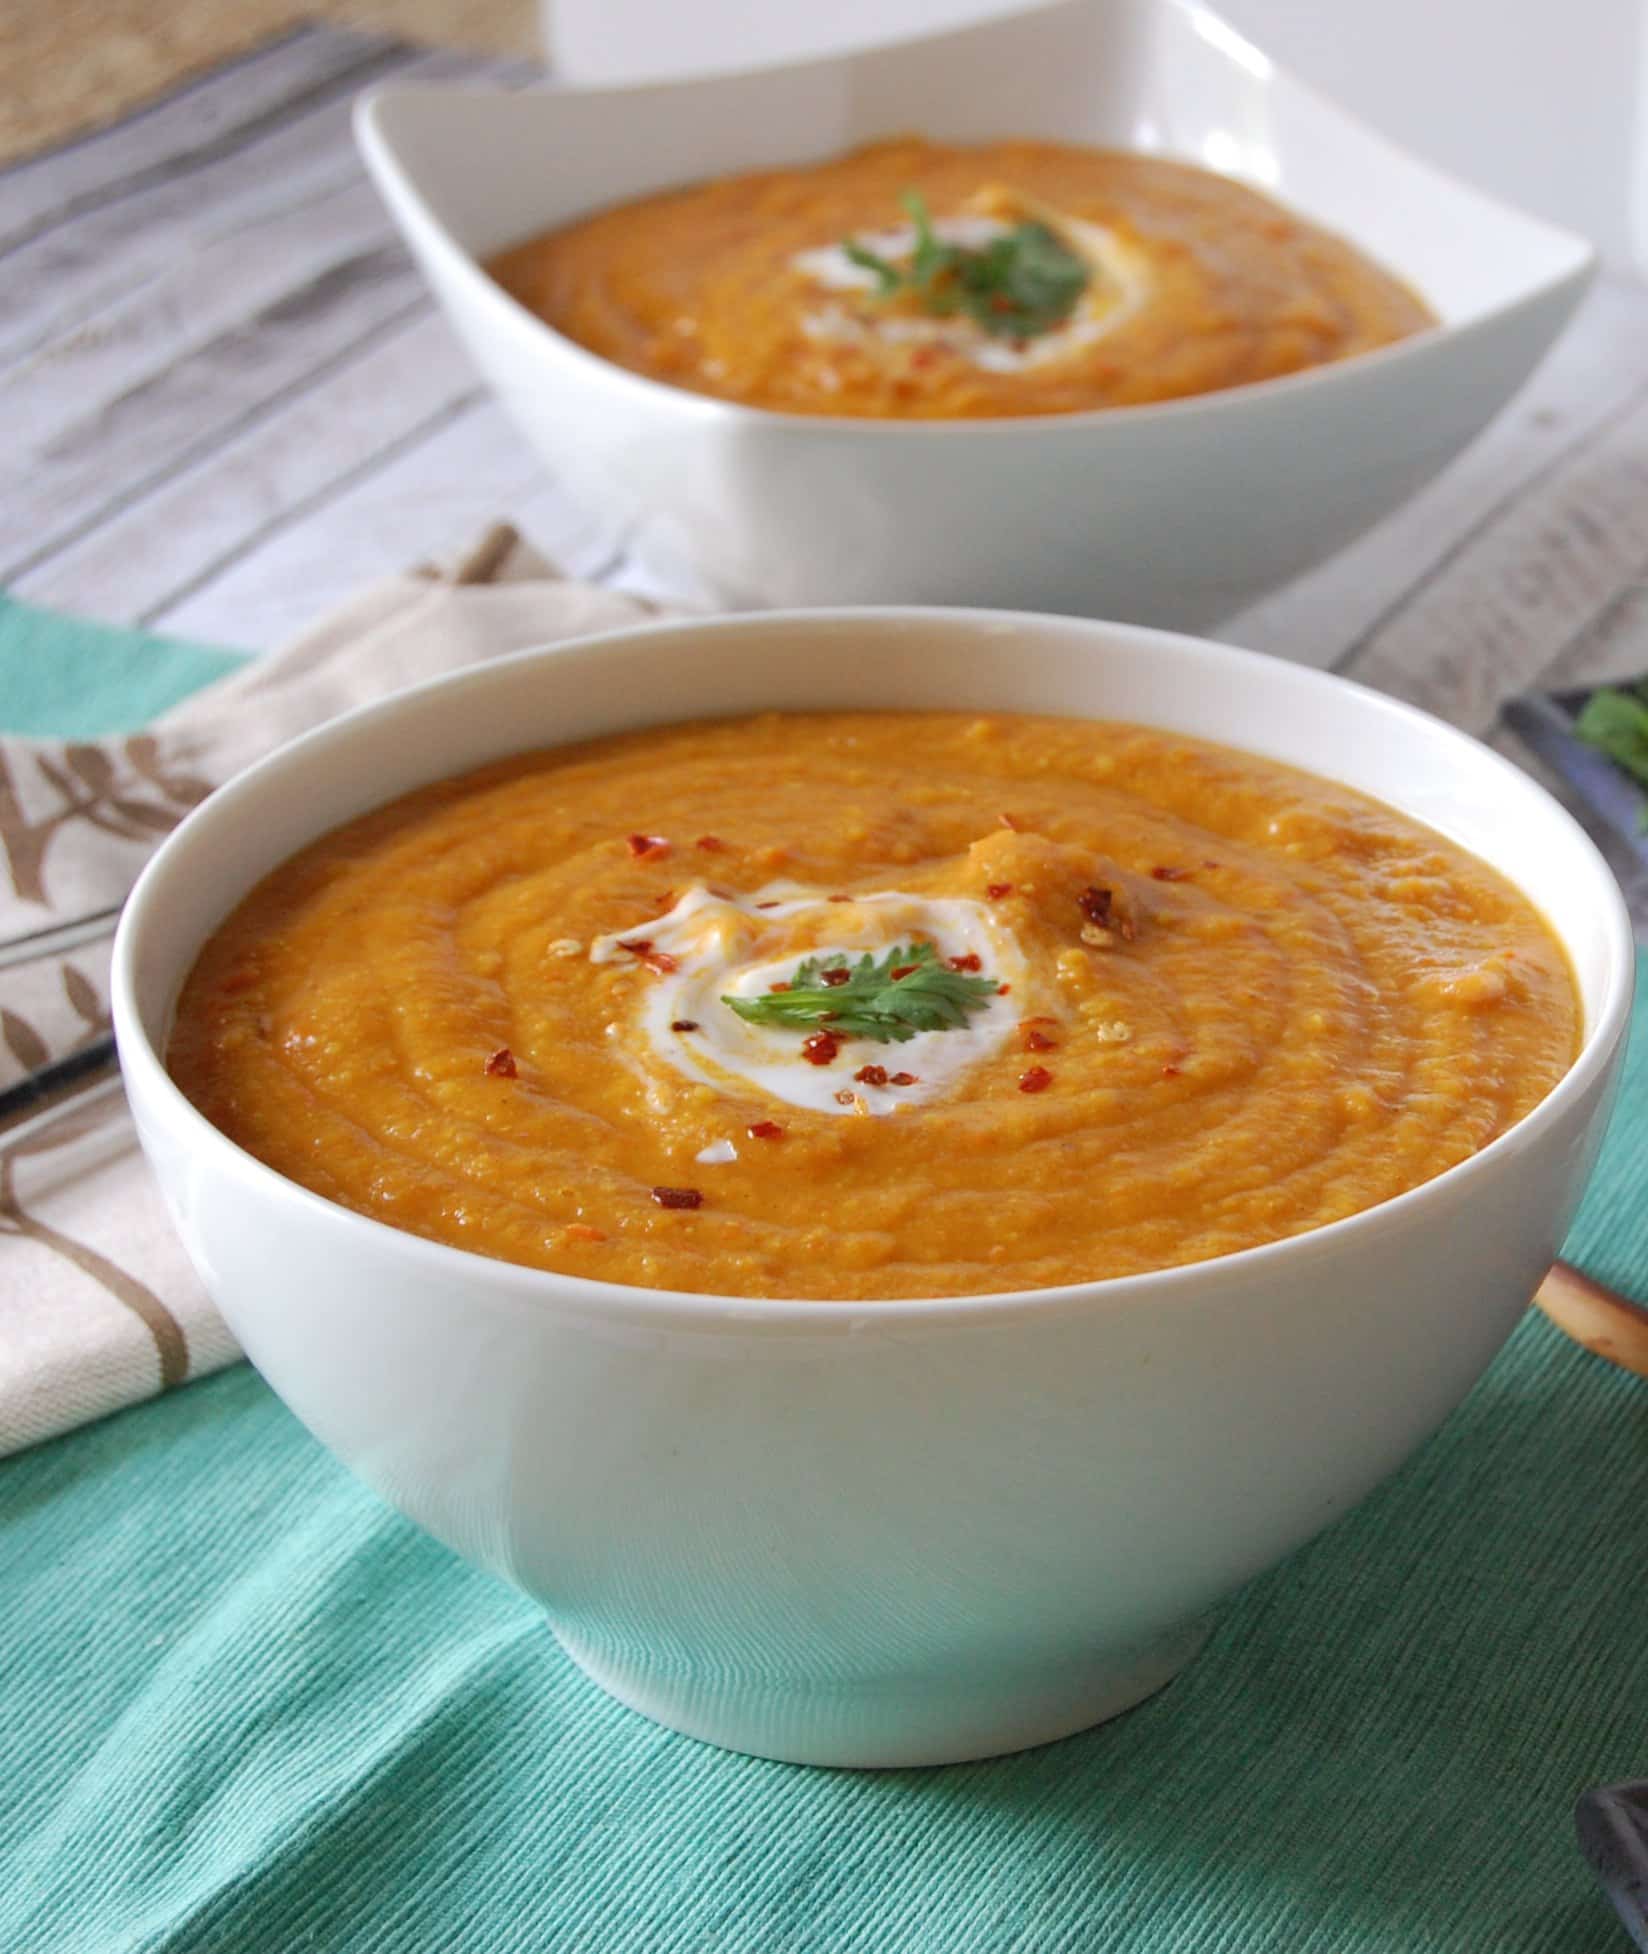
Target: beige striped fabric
x,y
98,1307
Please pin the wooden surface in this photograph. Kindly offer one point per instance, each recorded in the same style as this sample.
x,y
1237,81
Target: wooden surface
x,y
77,65
229,402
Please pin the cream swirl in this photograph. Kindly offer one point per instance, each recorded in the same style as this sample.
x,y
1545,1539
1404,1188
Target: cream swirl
x,y
708,947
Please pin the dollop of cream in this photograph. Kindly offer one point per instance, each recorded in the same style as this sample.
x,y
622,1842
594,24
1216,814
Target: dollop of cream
x,y
710,946
1118,284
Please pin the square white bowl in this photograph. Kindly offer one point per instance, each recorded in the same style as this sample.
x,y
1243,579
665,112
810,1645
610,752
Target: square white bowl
x,y
1175,514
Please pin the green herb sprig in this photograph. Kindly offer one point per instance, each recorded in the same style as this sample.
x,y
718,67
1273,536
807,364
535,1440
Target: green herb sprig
x,y
1024,282
870,1002
1616,722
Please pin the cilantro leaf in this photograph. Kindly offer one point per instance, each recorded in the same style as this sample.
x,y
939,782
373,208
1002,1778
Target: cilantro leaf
x,y
1616,723
1024,282
871,1001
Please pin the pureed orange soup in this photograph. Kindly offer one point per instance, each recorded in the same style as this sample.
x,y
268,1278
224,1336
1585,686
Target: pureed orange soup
x,y
1055,278
874,1005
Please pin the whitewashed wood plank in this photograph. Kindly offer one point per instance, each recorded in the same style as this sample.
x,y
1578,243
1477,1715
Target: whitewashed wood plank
x,y
421,504
189,122
74,381
1613,646
87,473
193,523
67,275
1509,602
1320,618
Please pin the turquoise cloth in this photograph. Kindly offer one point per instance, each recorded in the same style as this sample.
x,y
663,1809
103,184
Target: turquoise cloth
x,y
70,679
247,1710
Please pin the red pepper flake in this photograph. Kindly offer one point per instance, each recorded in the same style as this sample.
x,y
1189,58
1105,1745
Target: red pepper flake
x,y
904,970
1170,1071
904,1079
1171,874
835,977
1098,906
1038,1041
1011,821
765,1129
996,890
581,1231
1037,1079
780,987
659,962
648,848
838,898
970,961
1003,989
871,1075
820,1048
711,844
678,1197
683,1024
846,1097
501,1065
767,905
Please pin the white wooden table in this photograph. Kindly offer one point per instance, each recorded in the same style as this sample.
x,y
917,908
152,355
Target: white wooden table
x,y
227,402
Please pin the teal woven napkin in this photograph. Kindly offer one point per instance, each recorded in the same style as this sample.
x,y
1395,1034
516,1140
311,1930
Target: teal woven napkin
x,y
247,1710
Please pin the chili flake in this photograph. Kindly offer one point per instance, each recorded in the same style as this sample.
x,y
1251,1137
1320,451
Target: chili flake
x,y
871,1075
683,1024
765,1129
659,962
501,1065
1037,1079
838,898
903,970
1010,821
678,1197
581,1231
1170,1071
1038,1041
904,1079
648,848
820,1048
1099,907
996,890
970,960
836,977
711,844
1171,874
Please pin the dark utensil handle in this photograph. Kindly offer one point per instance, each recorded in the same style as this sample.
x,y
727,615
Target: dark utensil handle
x,y
41,1090
1612,1823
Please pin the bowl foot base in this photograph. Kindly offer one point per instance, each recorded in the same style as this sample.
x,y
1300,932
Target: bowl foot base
x,y
893,1724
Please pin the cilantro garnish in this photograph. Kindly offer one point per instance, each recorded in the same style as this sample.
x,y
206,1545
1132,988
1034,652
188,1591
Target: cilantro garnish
x,y
907,990
1020,284
1616,722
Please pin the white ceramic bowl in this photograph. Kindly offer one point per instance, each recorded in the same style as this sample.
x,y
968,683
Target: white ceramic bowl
x,y
882,1533
1176,514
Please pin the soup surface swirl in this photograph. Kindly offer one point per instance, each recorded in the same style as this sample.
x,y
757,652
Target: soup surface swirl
x,y
1201,1001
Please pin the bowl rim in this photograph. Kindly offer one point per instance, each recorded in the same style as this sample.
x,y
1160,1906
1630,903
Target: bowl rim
x,y
388,169
522,1285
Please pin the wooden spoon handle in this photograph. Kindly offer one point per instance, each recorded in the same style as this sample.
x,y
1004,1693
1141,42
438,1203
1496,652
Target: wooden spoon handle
x,y
1602,1321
